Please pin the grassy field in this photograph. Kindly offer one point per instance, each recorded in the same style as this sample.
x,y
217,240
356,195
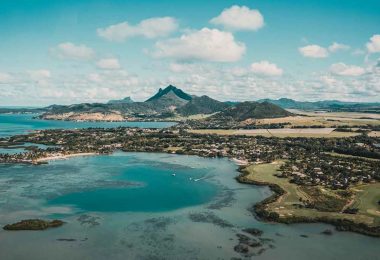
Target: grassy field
x,y
365,197
326,119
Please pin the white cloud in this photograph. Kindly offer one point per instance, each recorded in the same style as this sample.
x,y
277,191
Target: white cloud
x,y
150,28
185,67
68,50
94,77
266,68
239,72
205,44
5,78
239,18
37,75
358,52
39,78
374,44
334,47
313,51
342,69
108,64
220,81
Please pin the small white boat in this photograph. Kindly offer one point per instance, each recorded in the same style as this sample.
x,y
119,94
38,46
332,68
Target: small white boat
x,y
173,174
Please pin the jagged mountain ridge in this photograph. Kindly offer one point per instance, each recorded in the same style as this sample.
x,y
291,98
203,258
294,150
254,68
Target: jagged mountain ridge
x,y
168,102
169,99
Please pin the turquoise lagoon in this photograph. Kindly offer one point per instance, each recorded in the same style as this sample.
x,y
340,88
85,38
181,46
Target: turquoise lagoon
x,y
151,206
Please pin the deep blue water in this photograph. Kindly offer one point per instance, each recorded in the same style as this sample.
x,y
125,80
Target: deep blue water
x,y
163,188
12,124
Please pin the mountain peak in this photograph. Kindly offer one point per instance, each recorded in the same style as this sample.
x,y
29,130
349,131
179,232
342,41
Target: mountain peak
x,y
171,89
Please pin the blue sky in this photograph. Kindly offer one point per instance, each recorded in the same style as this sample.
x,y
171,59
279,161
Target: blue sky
x,y
85,51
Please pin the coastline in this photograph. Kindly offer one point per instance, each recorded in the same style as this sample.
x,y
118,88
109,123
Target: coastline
x,y
62,157
102,118
262,213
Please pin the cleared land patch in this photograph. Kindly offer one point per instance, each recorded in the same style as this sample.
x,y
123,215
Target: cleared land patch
x,y
325,119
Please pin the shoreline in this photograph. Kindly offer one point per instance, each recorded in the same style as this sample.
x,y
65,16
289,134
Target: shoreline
x,y
62,157
169,120
263,214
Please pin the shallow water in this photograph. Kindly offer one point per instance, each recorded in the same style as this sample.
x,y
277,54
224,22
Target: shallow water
x,y
12,124
117,207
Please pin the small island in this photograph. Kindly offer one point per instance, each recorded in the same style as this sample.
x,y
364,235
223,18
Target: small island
x,y
34,224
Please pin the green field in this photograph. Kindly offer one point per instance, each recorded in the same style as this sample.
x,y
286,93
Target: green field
x,y
367,199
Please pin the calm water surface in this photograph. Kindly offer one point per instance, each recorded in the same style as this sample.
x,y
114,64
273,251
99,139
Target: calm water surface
x,y
12,124
151,206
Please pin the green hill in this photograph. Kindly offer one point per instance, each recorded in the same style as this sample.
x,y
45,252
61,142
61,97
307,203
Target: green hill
x,y
201,105
254,110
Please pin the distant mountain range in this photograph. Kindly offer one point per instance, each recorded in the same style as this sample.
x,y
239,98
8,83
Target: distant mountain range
x,y
172,102
168,102
329,105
